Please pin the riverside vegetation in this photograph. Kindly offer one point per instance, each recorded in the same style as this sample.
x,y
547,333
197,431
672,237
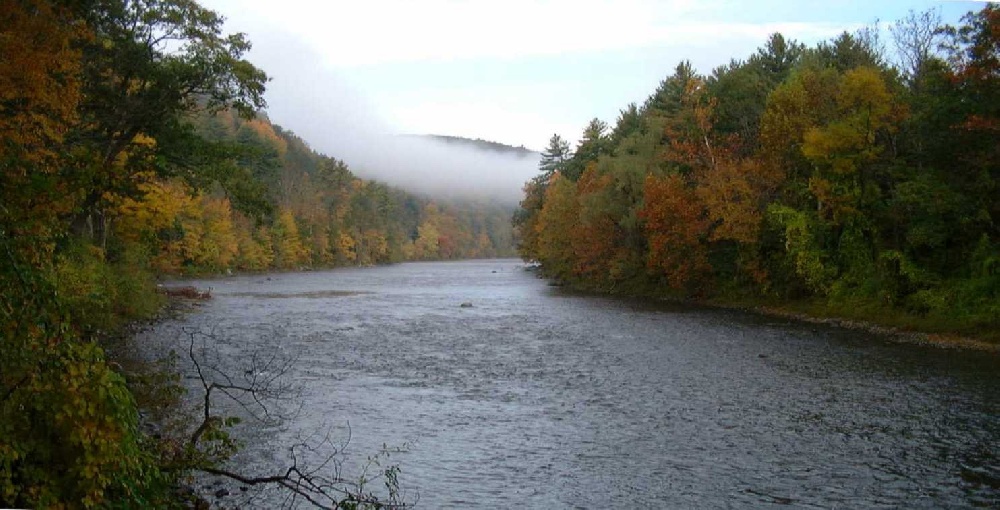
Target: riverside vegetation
x,y
132,145
826,180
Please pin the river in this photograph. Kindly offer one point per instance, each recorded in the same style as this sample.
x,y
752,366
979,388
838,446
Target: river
x,y
536,397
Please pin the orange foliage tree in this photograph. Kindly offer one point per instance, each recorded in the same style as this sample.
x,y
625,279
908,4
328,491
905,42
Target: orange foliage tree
x,y
595,237
39,96
675,227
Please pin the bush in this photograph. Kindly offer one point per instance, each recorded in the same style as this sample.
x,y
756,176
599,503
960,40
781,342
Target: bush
x,y
68,424
102,296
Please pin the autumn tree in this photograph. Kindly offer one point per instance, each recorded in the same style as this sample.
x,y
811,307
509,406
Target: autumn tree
x,y
40,82
148,65
596,237
844,149
675,227
555,227
290,252
975,56
525,219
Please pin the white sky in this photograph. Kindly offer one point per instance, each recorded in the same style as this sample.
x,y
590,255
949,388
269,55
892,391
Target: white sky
x,y
513,71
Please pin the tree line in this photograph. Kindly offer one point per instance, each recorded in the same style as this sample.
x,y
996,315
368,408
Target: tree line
x,y
831,175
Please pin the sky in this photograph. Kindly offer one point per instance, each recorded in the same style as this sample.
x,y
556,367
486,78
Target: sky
x,y
346,74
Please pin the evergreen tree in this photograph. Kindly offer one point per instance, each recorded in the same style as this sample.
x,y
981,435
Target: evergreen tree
x,y
629,121
594,143
554,156
667,98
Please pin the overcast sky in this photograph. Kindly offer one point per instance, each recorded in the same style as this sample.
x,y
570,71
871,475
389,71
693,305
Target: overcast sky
x,y
512,71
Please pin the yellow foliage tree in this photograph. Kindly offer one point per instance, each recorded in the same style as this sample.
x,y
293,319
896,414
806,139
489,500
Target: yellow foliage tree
x,y
218,245
425,247
375,247
484,246
255,250
289,250
556,224
843,148
344,249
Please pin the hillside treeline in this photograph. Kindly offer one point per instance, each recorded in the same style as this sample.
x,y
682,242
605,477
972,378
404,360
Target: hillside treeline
x,y
129,147
286,206
827,175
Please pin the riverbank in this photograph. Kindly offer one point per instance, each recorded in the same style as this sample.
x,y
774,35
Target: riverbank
x,y
893,324
902,334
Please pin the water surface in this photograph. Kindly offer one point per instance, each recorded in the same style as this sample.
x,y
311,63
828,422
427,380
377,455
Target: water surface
x,y
537,397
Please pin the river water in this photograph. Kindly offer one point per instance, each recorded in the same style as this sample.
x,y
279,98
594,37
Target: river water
x,y
537,397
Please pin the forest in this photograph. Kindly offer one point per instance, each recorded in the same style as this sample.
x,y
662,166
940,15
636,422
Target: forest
x,y
134,145
855,178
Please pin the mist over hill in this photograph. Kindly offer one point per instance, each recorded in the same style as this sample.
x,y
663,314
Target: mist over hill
x,y
446,167
480,144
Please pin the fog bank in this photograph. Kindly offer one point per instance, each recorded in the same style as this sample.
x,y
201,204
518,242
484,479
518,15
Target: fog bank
x,y
334,118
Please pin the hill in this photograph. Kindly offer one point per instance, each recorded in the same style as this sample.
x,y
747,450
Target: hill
x,y
480,144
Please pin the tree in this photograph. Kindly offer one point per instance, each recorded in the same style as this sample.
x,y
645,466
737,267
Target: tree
x,y
844,149
525,219
148,64
916,39
675,226
629,121
973,124
689,130
667,98
260,389
553,157
847,51
804,101
596,237
289,250
742,89
39,96
593,144
776,59
555,227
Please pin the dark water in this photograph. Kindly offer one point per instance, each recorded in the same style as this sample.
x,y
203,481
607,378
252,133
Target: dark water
x,y
538,398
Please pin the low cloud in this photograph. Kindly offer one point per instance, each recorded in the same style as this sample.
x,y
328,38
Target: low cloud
x,y
446,170
336,119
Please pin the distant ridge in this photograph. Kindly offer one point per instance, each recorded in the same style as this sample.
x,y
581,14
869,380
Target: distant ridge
x,y
479,144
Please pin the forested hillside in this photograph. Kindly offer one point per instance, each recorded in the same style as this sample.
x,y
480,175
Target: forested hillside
x,y
828,175
281,205
129,148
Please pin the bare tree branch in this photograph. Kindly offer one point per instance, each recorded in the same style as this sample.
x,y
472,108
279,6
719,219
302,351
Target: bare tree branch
x,y
314,470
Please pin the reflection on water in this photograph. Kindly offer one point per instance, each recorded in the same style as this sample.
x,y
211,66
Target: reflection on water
x,y
539,398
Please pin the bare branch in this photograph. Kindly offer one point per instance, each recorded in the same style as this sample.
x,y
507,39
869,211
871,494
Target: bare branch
x,y
915,37
314,471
